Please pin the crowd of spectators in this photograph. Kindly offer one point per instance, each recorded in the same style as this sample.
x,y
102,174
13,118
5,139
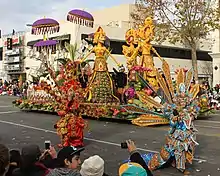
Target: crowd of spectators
x,y
31,161
10,88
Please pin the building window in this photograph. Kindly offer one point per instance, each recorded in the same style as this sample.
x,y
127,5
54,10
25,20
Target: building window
x,y
163,51
116,46
62,43
168,52
1,54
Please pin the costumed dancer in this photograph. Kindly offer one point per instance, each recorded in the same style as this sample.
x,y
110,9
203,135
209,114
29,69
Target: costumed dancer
x,y
100,88
180,144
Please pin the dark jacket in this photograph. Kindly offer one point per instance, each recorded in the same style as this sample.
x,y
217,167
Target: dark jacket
x,y
120,79
49,162
37,169
83,79
136,158
11,170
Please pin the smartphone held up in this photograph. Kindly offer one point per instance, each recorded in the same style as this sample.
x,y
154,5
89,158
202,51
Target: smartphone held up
x,y
124,145
47,145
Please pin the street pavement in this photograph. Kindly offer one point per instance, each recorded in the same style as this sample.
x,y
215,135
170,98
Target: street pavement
x,y
19,128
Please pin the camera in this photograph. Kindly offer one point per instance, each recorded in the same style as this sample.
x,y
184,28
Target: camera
x,y
124,145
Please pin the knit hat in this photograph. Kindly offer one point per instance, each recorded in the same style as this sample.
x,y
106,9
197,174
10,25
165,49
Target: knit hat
x,y
31,153
93,166
132,169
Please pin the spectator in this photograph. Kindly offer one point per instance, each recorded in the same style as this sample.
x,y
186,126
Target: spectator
x,y
30,162
15,161
50,158
68,160
93,166
120,78
132,169
135,157
4,159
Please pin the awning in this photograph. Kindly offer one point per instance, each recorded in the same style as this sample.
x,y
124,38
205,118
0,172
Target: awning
x,y
60,38
31,43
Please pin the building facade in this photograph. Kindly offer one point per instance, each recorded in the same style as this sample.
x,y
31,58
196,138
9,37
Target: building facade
x,y
216,58
12,65
115,21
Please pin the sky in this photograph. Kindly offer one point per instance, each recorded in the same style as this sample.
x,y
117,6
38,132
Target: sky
x,y
15,14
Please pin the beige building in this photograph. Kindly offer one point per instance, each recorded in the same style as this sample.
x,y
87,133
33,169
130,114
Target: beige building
x,y
116,21
177,55
216,58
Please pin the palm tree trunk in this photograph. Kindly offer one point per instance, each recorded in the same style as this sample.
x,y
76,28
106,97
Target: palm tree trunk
x,y
194,61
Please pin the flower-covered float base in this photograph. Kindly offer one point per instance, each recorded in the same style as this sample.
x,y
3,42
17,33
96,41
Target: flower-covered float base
x,y
138,116
37,100
29,105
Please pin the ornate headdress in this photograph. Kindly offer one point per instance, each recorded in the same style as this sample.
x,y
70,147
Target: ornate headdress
x,y
99,35
131,36
149,21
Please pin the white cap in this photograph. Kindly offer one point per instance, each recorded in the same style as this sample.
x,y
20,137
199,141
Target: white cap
x,y
93,166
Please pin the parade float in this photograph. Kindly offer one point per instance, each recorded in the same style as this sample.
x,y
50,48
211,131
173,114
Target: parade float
x,y
138,100
147,95
151,98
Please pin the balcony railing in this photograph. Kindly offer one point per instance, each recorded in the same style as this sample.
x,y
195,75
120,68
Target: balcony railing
x,y
13,52
9,60
14,68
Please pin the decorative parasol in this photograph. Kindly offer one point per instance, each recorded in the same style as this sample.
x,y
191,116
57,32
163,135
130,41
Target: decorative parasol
x,y
80,17
45,26
46,44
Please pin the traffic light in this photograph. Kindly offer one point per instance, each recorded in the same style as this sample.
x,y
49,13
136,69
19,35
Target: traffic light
x,y
9,43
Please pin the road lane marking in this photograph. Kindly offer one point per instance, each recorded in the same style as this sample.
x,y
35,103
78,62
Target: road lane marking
x,y
208,121
6,106
9,112
207,126
89,139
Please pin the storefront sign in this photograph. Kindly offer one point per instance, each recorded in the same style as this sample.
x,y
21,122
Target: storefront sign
x,y
15,41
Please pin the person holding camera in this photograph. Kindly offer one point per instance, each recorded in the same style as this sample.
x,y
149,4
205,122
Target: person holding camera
x,y
135,156
31,157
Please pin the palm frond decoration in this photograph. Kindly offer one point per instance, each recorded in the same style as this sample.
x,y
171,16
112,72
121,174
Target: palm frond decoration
x,y
62,61
35,78
72,49
84,63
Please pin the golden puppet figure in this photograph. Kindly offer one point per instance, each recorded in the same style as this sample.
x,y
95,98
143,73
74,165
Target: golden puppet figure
x,y
145,36
100,88
130,51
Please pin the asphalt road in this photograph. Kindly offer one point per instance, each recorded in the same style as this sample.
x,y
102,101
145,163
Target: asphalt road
x,y
103,138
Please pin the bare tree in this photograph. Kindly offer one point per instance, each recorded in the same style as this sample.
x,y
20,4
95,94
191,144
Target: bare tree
x,y
185,21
